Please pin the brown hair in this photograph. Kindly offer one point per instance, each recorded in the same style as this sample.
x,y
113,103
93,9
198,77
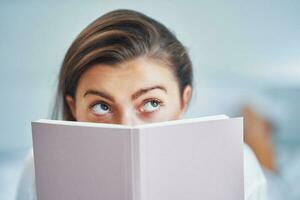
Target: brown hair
x,y
116,37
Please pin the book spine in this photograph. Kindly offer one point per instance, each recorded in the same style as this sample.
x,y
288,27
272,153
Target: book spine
x,y
135,164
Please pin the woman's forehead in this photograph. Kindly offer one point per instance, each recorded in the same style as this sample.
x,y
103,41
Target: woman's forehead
x,y
136,73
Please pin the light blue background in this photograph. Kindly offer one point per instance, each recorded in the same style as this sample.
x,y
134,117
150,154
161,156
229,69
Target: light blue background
x,y
242,51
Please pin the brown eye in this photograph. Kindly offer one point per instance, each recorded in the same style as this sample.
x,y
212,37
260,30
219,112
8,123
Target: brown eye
x,y
151,105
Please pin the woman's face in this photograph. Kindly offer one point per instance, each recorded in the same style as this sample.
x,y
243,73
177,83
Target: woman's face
x,y
134,92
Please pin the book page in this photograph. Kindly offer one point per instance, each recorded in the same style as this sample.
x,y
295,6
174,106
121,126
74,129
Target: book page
x,y
79,162
201,160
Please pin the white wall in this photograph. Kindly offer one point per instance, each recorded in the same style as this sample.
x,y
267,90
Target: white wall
x,y
251,44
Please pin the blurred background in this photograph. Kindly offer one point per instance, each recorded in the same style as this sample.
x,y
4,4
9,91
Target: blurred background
x,y
246,57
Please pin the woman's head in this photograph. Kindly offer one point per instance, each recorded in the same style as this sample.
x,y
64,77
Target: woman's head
x,y
125,68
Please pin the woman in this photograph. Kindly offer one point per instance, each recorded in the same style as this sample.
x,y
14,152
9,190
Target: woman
x,y
126,68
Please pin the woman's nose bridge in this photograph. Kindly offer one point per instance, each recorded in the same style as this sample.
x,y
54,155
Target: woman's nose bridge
x,y
128,118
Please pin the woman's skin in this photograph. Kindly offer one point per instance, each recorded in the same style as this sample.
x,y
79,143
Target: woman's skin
x,y
138,91
258,135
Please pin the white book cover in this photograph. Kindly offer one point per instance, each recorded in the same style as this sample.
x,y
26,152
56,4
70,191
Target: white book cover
x,y
186,159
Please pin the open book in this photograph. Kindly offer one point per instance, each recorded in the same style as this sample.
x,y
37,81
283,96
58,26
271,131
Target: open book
x,y
186,159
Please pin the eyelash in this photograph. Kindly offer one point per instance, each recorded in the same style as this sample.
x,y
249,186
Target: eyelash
x,y
161,103
99,102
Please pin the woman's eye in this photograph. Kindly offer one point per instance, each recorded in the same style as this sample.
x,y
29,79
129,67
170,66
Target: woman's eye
x,y
151,106
100,108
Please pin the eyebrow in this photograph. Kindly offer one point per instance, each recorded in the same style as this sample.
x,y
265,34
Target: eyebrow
x,y
145,90
99,93
134,96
